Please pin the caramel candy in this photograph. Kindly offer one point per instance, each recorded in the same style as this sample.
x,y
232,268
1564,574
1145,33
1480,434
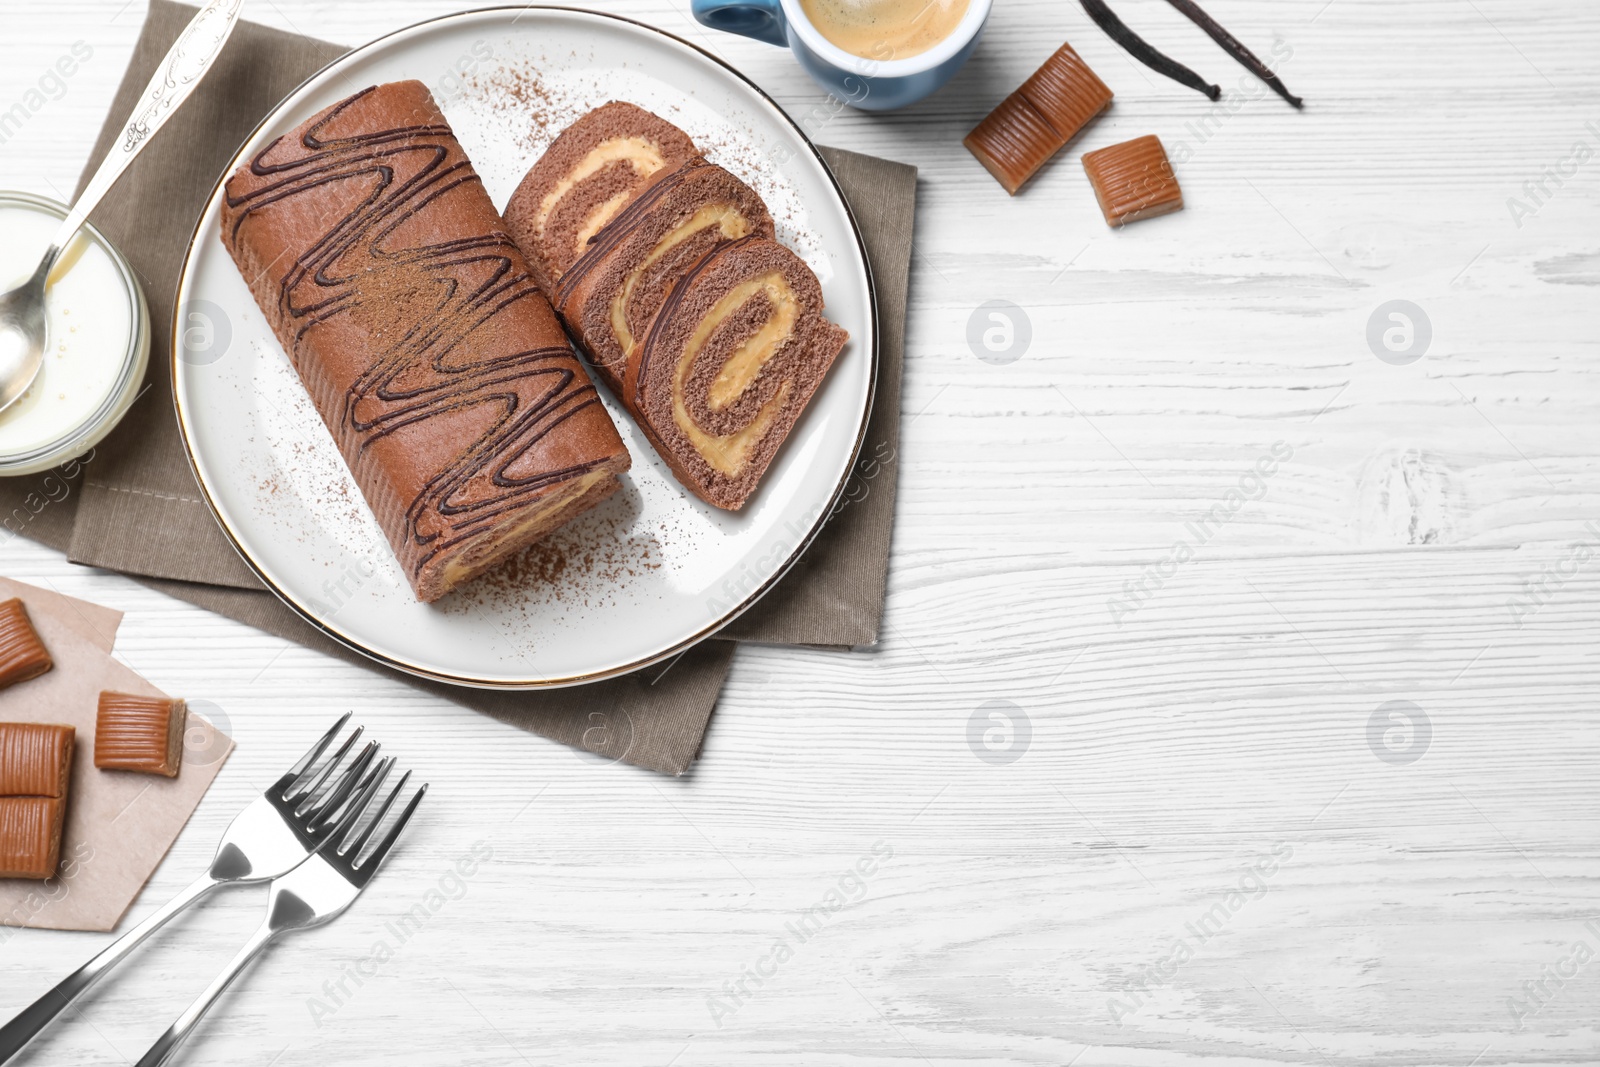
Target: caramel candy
x,y
30,836
1133,180
35,769
137,733
1014,142
22,654
1037,121
1066,92
35,759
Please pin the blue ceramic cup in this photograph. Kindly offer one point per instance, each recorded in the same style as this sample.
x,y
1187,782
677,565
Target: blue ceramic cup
x,y
869,84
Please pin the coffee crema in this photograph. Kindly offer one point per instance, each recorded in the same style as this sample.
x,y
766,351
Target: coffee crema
x,y
885,30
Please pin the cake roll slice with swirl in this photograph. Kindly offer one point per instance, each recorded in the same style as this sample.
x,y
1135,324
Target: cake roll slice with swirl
x,y
610,295
438,366
734,355
585,178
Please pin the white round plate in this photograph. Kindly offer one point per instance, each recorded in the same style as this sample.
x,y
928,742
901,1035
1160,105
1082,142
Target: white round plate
x,y
651,571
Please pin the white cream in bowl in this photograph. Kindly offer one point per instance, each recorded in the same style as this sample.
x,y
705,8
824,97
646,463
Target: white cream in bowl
x,y
97,346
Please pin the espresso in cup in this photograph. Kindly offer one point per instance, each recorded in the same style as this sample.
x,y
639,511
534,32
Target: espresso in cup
x,y
885,30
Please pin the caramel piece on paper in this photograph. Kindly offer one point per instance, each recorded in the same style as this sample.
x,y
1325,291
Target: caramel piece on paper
x,y
30,836
139,733
1035,122
1133,180
22,654
35,759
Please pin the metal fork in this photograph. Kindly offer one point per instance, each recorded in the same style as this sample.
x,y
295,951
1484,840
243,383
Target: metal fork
x,y
298,813
318,890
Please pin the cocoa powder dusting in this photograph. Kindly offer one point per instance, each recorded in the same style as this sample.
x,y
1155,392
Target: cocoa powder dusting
x,y
586,563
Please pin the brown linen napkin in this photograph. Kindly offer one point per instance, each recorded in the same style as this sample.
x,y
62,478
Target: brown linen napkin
x,y
119,825
138,509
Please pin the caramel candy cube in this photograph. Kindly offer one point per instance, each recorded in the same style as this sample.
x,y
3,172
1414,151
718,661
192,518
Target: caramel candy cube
x,y
1133,180
1013,142
22,654
1035,122
1066,92
138,733
30,836
35,759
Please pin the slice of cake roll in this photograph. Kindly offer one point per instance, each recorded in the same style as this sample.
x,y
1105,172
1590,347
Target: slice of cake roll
x,y
438,366
610,295
734,355
584,180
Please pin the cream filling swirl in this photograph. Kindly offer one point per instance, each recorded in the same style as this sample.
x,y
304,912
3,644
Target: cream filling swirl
x,y
728,453
642,155
726,216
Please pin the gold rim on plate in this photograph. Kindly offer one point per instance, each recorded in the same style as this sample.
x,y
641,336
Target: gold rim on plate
x,y
354,642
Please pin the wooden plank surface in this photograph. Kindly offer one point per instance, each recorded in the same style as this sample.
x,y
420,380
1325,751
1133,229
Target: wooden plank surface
x,y
1313,783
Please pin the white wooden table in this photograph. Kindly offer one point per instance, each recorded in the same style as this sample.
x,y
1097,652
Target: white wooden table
x,y
1071,905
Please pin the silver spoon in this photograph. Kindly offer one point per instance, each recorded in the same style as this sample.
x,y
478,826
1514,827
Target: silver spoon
x,y
23,332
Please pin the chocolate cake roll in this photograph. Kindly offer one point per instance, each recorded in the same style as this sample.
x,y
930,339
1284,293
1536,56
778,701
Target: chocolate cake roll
x,y
610,295
439,368
584,180
733,357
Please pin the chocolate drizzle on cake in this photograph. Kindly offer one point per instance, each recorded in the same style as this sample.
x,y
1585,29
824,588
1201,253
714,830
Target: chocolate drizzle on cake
x,y
420,333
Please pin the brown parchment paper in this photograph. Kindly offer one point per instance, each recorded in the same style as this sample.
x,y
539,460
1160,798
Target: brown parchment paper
x,y
119,824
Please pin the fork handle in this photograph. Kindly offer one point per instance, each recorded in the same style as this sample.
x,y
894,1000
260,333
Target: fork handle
x,y
16,1034
167,1044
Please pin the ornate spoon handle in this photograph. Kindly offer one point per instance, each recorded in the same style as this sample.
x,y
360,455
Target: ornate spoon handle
x,y
186,62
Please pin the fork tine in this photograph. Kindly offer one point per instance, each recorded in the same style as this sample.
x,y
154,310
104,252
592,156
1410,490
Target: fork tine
x,y
375,858
300,787
353,842
362,790
340,787
359,803
317,749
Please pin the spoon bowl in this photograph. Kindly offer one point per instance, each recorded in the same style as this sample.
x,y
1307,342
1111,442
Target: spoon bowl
x,y
22,335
